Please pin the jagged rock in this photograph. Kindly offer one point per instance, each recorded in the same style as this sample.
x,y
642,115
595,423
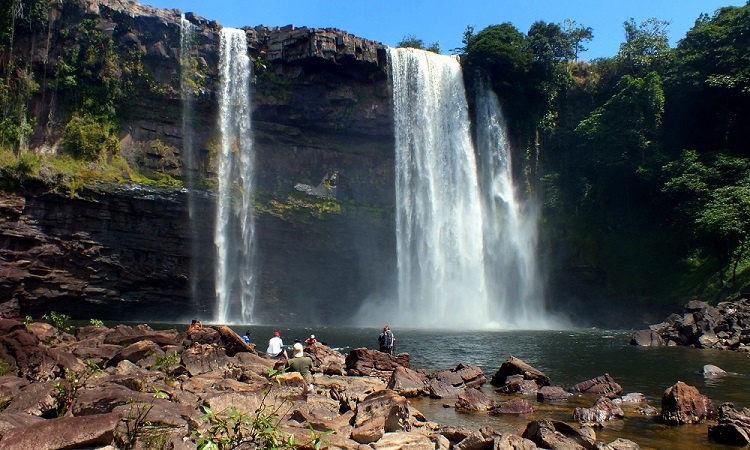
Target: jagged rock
x,y
407,382
602,385
682,403
36,399
514,366
733,427
362,361
438,389
200,359
474,400
603,410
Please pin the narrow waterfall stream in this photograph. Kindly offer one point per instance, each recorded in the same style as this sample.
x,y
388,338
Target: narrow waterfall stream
x,y
234,235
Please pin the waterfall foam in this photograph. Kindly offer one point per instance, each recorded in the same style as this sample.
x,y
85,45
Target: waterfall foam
x,y
234,235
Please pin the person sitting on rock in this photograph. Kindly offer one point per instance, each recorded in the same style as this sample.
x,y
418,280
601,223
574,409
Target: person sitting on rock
x,y
246,337
311,340
195,325
276,346
302,364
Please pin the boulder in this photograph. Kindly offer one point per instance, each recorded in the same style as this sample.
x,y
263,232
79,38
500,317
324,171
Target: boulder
x,y
514,406
515,366
325,359
553,434
603,385
474,400
682,403
711,371
393,408
231,341
733,427
647,338
603,410
461,376
517,384
362,361
407,382
551,394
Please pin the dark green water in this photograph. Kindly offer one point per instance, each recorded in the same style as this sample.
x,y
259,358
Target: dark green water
x,y
567,357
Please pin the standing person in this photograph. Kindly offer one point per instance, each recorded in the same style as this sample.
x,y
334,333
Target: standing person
x,y
386,340
302,364
276,346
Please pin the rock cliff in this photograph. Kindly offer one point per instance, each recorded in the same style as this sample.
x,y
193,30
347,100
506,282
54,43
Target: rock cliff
x,y
321,105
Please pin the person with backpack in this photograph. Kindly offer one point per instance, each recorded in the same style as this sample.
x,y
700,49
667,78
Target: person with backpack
x,y
386,340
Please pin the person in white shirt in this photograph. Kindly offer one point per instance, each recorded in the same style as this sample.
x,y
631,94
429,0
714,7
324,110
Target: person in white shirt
x,y
276,346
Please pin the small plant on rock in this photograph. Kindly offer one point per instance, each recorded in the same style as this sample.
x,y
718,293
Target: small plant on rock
x,y
66,390
96,323
59,320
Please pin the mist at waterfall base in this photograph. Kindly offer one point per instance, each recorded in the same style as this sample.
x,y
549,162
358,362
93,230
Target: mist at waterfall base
x,y
466,243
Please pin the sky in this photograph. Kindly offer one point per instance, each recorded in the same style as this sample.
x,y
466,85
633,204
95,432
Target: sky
x,y
444,21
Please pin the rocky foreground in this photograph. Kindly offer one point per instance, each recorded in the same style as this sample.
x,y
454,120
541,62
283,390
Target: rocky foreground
x,y
136,388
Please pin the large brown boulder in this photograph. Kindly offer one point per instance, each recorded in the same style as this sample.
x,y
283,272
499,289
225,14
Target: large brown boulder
x,y
325,359
362,361
515,366
407,382
682,403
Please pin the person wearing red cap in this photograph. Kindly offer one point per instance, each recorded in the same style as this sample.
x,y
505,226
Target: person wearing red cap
x,y
276,346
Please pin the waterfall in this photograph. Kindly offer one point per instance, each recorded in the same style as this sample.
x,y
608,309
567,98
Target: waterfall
x,y
511,224
188,150
235,225
466,245
439,224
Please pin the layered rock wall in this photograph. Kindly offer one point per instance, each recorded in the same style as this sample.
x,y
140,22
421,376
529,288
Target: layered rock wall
x,y
321,105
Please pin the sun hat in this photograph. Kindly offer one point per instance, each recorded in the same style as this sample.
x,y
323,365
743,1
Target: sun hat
x,y
298,350
312,336
276,334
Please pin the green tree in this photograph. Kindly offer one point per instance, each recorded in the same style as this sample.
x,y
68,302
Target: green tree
x,y
414,42
646,46
712,198
709,84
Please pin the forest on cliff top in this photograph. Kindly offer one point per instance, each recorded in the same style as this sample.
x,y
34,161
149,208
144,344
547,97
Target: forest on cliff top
x,y
640,160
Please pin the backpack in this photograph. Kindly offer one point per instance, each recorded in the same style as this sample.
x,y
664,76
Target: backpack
x,y
386,339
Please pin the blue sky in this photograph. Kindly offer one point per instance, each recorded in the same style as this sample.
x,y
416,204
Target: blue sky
x,y
444,21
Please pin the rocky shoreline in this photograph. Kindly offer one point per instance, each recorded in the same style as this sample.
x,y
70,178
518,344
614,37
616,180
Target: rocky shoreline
x,y
127,387
725,326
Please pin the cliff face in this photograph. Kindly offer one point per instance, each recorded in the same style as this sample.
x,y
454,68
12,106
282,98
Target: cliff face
x,y
321,105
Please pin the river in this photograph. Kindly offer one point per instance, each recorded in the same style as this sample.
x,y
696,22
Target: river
x,y
567,357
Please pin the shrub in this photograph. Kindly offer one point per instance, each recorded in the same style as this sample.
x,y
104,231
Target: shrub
x,y
87,137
